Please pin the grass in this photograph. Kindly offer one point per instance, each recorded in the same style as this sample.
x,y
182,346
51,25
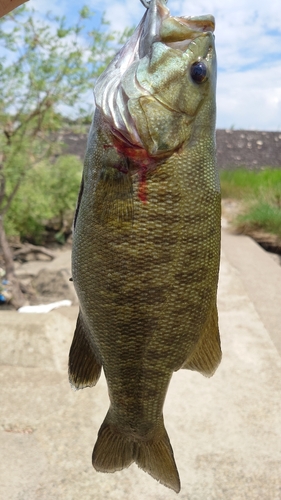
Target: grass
x,y
260,193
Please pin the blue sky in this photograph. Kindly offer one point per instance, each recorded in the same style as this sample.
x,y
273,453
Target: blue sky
x,y
248,41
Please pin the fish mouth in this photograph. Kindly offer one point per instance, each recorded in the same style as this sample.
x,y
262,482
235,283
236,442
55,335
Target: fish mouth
x,y
175,32
184,30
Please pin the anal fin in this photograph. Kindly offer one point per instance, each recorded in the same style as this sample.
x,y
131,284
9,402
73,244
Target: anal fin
x,y
83,367
207,355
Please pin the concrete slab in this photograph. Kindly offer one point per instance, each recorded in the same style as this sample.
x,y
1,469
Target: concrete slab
x,y
261,278
225,431
36,340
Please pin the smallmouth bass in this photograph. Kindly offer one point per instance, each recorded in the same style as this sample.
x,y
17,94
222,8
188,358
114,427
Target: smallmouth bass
x,y
146,243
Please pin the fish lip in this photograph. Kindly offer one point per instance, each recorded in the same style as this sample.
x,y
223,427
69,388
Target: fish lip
x,y
201,24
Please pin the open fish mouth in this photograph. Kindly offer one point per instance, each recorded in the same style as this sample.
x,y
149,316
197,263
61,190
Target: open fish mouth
x,y
176,32
158,26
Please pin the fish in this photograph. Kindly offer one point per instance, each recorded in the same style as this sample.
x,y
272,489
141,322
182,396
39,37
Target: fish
x,y
146,242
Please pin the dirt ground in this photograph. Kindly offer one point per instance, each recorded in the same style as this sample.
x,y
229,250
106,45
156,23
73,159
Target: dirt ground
x,y
45,280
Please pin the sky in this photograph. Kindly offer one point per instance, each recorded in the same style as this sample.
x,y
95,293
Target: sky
x,y
248,44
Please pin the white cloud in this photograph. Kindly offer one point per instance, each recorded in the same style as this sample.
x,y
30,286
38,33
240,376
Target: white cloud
x,y
43,6
121,14
248,100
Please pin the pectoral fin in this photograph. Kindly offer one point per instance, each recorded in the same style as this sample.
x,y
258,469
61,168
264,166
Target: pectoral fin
x,y
207,355
83,367
114,197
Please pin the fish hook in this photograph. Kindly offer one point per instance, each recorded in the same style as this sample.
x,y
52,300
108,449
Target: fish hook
x,y
145,4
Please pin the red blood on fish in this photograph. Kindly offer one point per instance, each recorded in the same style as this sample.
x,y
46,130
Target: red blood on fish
x,y
141,157
142,193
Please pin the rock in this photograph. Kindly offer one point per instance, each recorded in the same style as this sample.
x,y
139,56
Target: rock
x,y
53,285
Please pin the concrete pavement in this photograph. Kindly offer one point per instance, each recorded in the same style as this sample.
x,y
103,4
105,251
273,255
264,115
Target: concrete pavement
x,y
225,431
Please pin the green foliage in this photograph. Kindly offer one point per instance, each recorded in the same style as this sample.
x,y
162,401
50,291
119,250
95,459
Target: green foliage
x,y
53,64
47,190
261,194
47,70
243,183
261,216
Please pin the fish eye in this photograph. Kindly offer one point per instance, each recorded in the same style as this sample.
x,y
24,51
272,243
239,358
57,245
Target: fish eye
x,y
198,72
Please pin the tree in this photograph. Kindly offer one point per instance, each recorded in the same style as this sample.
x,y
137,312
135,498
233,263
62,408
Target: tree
x,y
47,198
46,70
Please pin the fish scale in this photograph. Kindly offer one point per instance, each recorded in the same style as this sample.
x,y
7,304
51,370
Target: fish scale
x,y
146,245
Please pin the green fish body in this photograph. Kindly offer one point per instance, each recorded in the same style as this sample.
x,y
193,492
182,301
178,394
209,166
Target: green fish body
x,y
146,241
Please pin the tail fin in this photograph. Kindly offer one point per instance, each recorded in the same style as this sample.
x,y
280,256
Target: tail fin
x,y
157,458
114,451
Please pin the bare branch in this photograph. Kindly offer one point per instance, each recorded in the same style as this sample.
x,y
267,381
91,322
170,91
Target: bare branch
x,y
29,248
